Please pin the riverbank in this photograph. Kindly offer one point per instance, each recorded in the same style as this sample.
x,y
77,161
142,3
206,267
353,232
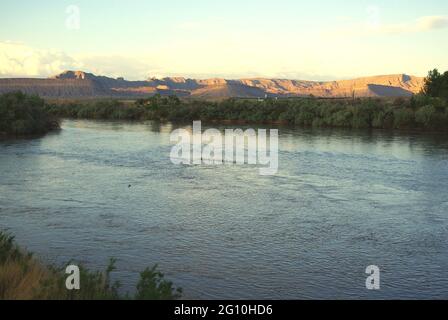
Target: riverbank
x,y
24,277
418,113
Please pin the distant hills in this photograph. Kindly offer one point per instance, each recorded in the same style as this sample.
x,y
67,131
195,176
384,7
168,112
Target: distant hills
x,y
82,85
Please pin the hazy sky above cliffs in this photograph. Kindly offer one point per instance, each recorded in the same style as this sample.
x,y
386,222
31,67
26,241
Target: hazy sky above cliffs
x,y
312,40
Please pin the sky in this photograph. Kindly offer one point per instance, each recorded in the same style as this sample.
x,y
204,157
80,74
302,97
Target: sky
x,y
294,39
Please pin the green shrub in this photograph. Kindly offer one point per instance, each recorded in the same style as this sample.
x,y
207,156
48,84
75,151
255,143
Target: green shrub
x,y
404,118
22,114
343,118
153,286
22,277
362,116
425,116
436,85
430,117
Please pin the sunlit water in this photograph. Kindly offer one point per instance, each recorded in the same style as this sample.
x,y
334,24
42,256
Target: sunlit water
x,y
342,201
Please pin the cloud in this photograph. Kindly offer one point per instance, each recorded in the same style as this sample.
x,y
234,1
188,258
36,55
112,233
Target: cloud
x,y
432,22
20,60
422,24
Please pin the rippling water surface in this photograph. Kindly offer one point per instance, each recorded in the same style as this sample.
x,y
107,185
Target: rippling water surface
x,y
342,200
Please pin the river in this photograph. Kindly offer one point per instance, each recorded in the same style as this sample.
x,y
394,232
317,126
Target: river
x,y
342,200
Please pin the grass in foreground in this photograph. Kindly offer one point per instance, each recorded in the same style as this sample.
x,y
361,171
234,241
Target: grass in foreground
x,y
23,277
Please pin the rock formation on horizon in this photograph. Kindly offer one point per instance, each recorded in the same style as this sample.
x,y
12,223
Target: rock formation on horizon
x,y
79,84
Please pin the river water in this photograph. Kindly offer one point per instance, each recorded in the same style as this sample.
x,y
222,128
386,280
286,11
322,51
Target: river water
x,y
342,200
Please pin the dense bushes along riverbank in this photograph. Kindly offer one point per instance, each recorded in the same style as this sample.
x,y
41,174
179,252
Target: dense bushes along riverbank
x,y
22,277
420,112
22,114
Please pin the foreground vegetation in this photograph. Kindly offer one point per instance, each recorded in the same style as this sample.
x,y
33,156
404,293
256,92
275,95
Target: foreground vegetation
x,y
22,114
23,277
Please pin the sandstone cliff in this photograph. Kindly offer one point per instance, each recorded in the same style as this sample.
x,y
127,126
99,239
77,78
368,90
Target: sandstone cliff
x,y
78,84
